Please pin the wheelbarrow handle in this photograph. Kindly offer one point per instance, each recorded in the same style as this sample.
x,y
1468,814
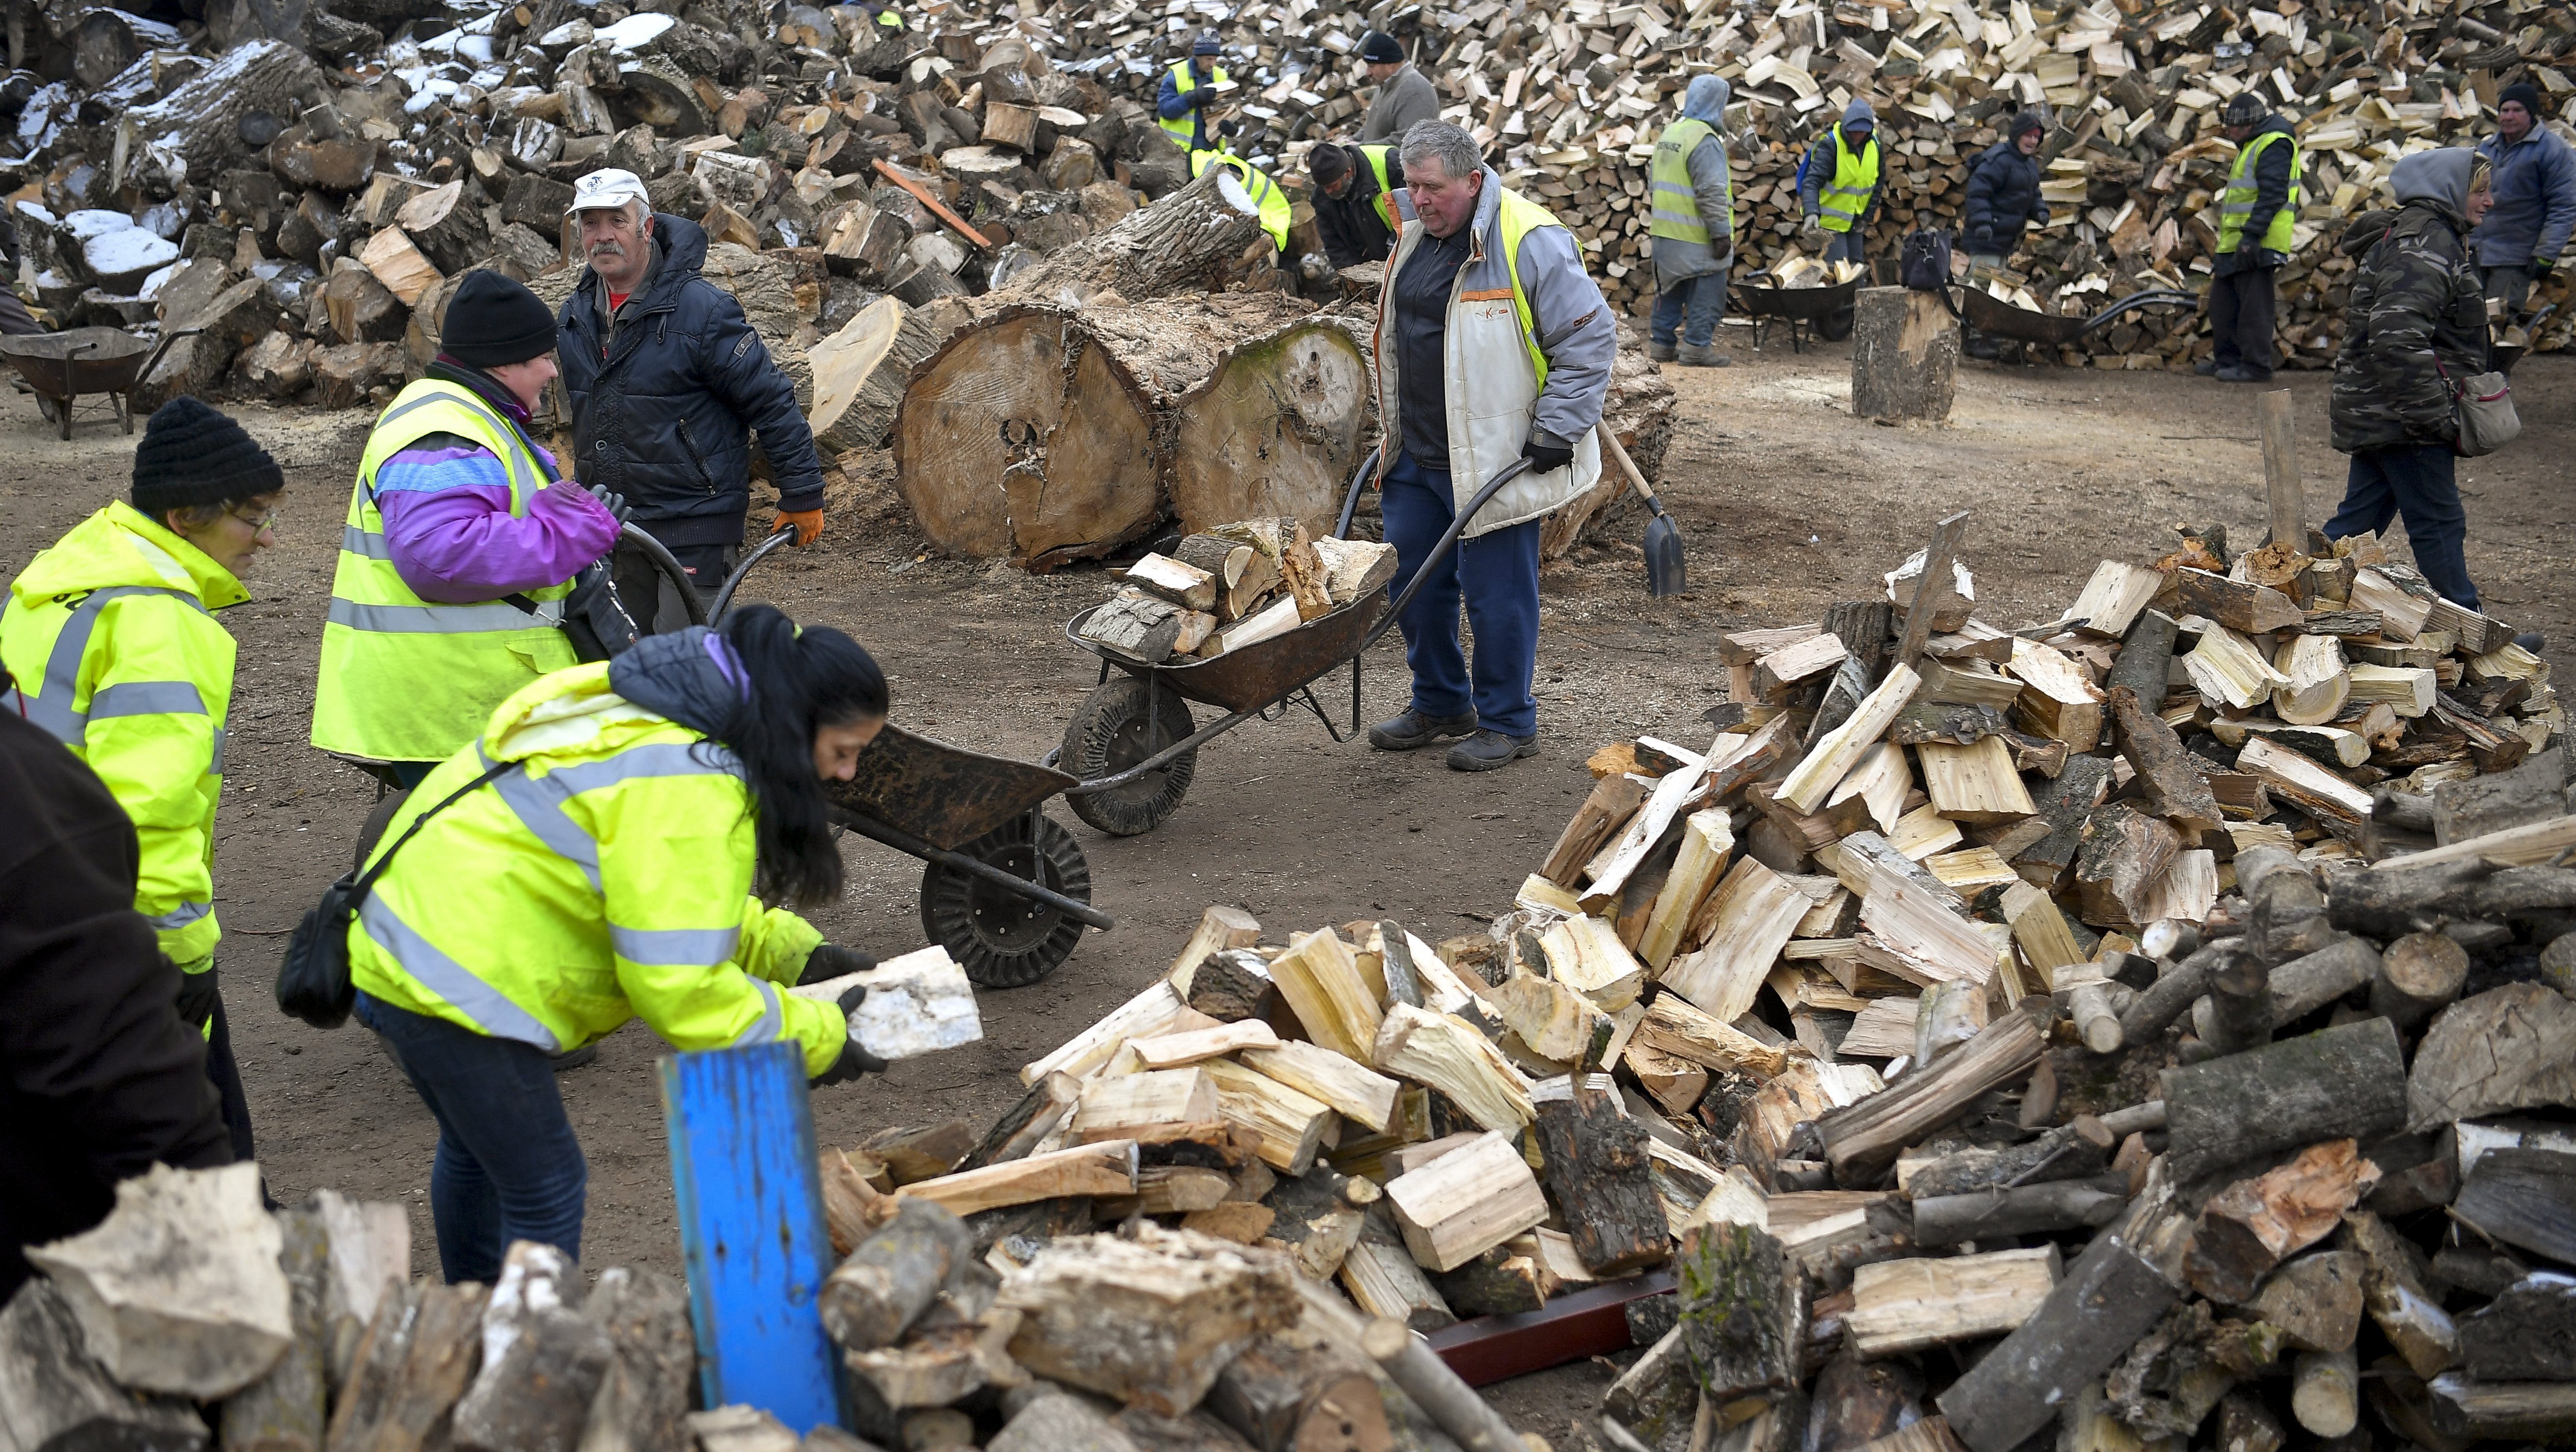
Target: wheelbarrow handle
x,y
759,552
153,360
2153,297
670,567
1439,552
1351,496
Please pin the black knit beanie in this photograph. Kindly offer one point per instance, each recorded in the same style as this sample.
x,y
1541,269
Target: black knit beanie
x,y
493,321
1328,163
2523,91
191,455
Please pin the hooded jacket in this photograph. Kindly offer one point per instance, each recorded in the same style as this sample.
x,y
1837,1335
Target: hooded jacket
x,y
608,878
99,1078
2003,198
1677,260
2417,313
112,631
2535,199
1824,156
664,402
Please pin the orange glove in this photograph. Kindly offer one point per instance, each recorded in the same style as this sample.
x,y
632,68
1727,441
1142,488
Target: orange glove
x,y
808,524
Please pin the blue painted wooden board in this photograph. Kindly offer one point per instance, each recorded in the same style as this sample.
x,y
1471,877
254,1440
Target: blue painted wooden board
x,y
751,1226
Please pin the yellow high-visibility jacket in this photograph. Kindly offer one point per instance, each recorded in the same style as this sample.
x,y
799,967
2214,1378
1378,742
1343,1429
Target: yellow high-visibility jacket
x,y
607,878
115,651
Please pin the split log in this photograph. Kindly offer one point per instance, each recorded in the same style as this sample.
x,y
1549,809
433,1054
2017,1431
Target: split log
x,y
1905,355
1501,1282
2058,699
2253,1225
2108,1299
644,1398
179,1289
2021,1210
58,1396
2074,1151
2317,685
412,1366
2527,1333
1461,1205
2124,854
1596,1164
1976,784
1445,1053
1907,1305
1585,954
1356,1092
1863,1139
2172,787
2241,606
2527,1411
1742,1311
1656,1399
1320,980
2316,1300
1382,1278
370,1257
2064,805
1152,1320
2346,1082
1287,1126
2511,1047
1184,242
445,226
2524,1198
1021,1127
1193,1046
1282,1397
890,1278
544,1362
288,1409
2336,804
860,371
1220,927
2145,660
1108,1168
1233,984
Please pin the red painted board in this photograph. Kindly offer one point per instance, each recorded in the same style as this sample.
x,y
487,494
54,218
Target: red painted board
x,y
1590,1322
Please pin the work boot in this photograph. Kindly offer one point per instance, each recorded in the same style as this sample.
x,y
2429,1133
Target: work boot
x,y
2241,374
1413,730
573,1058
2206,368
2532,640
1660,352
1984,347
1704,355
1491,751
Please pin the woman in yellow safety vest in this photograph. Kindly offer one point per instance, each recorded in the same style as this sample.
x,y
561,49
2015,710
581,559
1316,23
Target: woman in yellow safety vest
x,y
1276,214
592,859
112,643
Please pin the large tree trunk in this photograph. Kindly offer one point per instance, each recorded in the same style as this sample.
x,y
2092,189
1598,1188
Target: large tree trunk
x,y
1189,241
1275,431
203,117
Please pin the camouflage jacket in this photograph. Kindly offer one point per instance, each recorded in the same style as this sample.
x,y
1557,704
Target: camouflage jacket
x,y
2416,313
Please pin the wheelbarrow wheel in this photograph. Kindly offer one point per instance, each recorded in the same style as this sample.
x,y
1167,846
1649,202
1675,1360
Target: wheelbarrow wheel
x,y
1835,326
1001,939
1108,734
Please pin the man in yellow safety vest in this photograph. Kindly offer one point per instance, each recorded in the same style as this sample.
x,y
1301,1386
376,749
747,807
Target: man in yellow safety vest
x,y
1181,102
460,547
1357,206
2254,221
1693,225
1493,346
1838,186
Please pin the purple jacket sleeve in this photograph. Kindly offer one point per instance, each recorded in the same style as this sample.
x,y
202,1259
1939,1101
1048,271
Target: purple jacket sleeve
x,y
448,528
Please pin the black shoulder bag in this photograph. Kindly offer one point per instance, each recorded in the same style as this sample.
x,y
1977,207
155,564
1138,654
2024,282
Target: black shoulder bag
x,y
313,978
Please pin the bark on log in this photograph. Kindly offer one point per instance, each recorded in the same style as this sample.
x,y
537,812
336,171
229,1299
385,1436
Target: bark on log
x,y
1182,243
2402,900
1987,1215
1596,1164
2511,1047
58,1396
2145,660
645,1395
1864,1138
2527,1333
1743,1313
288,1409
1905,355
2108,1300
2418,975
890,1278
202,119
2336,1083
417,1356
1281,1397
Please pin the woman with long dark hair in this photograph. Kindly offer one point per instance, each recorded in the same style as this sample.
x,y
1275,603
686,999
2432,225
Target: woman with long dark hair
x,y
647,824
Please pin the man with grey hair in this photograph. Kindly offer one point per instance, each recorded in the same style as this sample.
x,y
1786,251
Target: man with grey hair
x,y
667,383
1493,346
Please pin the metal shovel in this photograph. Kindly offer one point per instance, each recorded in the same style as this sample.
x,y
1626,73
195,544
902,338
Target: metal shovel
x,y
1664,571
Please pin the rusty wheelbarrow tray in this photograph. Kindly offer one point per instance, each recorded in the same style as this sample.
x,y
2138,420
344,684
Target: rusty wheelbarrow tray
x,y
1135,725
1995,318
60,367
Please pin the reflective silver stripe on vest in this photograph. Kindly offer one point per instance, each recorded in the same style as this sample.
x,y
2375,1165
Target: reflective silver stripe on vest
x,y
539,800
484,1006
674,947
148,698
772,1017
215,764
444,619
181,916
364,543
51,706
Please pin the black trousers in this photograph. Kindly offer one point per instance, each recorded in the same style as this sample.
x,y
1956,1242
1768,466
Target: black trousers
x,y
650,598
2241,307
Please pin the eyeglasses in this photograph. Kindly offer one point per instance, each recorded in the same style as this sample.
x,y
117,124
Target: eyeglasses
x,y
258,524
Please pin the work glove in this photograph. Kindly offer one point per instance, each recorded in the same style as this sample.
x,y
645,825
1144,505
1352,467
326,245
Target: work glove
x,y
1546,457
2267,259
854,1061
808,524
198,992
828,962
1814,228
615,503
1229,127
2543,266
1200,98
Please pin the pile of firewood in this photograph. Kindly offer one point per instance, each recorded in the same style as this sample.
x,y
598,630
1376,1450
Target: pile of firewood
x,y
1232,586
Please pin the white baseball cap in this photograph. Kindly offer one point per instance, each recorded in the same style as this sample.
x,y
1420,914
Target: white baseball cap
x,y
607,188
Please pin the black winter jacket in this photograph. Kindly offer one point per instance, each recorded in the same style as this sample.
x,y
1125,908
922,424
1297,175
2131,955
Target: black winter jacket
x,y
1353,231
665,418
99,1080
2271,194
2003,198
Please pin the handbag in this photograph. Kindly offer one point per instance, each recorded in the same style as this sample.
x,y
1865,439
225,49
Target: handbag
x,y
1926,264
2483,407
313,981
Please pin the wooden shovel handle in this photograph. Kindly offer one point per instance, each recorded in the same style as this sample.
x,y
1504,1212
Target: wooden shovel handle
x,y
1627,466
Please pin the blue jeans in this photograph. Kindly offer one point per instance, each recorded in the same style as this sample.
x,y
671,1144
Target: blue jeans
x,y
508,1166
1690,309
1495,575
1845,246
2415,480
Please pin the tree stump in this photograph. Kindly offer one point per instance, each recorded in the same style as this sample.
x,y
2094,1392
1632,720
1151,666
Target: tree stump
x,y
1905,353
1275,430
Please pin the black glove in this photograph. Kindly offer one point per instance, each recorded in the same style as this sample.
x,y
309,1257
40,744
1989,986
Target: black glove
x,y
828,962
854,1061
1544,457
2543,266
2267,259
613,502
198,996
1229,127
1981,241
1199,98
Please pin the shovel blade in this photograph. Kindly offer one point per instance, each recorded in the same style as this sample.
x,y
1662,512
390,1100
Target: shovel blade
x,y
1664,574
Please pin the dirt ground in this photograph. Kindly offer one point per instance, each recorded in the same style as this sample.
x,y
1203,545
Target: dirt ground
x,y
1787,503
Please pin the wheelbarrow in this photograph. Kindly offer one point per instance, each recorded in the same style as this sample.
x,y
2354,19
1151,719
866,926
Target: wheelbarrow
x,y
60,367
1004,888
1826,312
2502,356
1992,316
1133,740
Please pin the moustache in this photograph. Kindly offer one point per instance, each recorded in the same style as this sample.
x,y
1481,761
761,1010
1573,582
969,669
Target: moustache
x,y
610,249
